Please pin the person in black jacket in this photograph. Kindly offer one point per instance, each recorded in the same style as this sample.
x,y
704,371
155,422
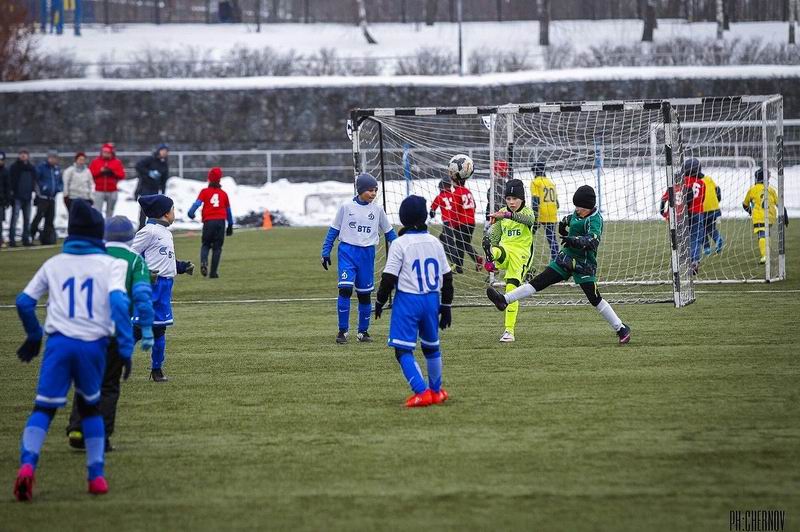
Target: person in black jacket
x,y
22,177
49,184
5,193
153,172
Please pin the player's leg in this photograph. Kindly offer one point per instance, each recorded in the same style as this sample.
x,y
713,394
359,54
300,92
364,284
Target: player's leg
x,y
429,340
217,236
162,318
205,247
708,223
403,333
759,231
696,234
364,285
460,248
109,390
158,353
89,364
347,278
715,234
551,275
605,310
552,241
51,393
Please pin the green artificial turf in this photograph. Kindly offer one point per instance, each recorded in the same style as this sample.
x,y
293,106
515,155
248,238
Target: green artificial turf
x,y
266,424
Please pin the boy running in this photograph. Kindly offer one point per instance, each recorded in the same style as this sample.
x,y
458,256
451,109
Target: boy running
x,y
580,236
509,246
417,266
358,225
216,210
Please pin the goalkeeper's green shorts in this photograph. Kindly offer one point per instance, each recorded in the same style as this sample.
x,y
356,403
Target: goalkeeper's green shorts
x,y
576,277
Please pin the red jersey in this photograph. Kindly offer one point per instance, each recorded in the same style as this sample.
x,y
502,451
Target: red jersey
x,y
695,193
463,206
215,203
446,201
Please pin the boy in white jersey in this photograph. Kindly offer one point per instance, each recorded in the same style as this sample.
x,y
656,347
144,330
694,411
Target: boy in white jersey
x,y
358,225
154,242
87,301
418,266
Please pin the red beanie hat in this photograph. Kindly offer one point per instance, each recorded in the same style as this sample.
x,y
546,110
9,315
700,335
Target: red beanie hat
x,y
215,174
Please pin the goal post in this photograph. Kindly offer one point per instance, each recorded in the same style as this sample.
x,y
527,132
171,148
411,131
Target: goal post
x,y
641,258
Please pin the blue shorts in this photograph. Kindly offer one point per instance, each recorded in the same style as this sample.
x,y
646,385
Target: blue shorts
x,y
162,302
66,360
356,267
414,315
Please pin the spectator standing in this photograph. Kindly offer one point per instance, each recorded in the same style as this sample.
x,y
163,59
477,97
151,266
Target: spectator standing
x,y
5,193
22,178
49,185
107,171
153,172
78,181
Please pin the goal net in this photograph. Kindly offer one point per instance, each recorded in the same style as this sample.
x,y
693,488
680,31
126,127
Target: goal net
x,y
630,152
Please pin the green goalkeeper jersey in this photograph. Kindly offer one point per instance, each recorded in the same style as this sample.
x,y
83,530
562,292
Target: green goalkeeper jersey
x,y
592,226
515,232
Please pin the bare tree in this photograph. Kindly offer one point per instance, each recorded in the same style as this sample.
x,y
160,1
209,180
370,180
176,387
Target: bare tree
x,y
431,6
362,22
17,44
649,21
544,22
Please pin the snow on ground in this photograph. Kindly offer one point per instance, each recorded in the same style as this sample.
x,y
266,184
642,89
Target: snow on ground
x,y
394,40
315,204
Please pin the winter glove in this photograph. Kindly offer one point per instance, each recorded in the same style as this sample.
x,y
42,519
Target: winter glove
x,y
326,261
565,262
585,268
127,366
487,247
154,174
563,225
191,215
189,269
153,276
445,317
147,339
229,231
29,350
569,241
378,309
431,214
489,266
185,266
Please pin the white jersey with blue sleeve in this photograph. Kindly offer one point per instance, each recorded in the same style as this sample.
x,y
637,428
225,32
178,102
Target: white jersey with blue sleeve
x,y
154,242
361,225
418,261
78,288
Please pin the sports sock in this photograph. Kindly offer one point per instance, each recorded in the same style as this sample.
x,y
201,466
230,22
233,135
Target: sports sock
x,y
343,306
434,363
95,438
526,290
157,355
762,246
364,311
609,315
33,437
511,310
411,370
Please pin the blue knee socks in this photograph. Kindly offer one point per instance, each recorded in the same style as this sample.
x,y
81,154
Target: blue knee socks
x,y
364,311
411,370
157,356
94,435
434,361
343,306
33,438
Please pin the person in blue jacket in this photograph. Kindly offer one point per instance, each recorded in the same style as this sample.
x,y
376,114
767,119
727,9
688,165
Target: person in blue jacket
x,y
48,185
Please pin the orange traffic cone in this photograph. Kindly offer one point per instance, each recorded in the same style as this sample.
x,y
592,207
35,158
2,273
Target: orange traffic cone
x,y
267,223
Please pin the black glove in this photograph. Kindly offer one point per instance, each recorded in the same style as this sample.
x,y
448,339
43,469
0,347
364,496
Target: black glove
x,y
487,247
566,262
585,268
189,269
445,317
378,309
229,231
569,241
431,213
563,225
127,365
326,261
29,349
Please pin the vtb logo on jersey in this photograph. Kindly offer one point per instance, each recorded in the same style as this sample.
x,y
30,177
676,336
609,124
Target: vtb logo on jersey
x,y
514,232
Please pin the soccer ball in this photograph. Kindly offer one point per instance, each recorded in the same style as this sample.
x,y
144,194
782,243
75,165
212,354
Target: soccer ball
x,y
460,167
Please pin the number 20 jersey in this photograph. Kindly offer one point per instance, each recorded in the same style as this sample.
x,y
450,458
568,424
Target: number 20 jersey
x,y
78,288
361,225
417,259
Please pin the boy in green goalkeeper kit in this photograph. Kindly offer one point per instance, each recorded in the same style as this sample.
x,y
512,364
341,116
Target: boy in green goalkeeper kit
x,y
580,237
508,246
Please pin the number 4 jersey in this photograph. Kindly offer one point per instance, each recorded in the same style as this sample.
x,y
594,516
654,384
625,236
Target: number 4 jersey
x,y
215,203
417,259
79,286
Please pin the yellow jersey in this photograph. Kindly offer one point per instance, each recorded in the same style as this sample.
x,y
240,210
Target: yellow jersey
x,y
543,194
711,201
755,200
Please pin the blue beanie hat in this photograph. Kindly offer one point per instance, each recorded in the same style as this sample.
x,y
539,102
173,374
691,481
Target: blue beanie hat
x,y
85,220
692,167
413,212
119,229
155,205
162,146
365,182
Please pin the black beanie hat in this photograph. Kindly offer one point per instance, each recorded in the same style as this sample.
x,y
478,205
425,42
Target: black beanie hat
x,y
155,205
759,176
85,220
515,188
413,212
584,197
